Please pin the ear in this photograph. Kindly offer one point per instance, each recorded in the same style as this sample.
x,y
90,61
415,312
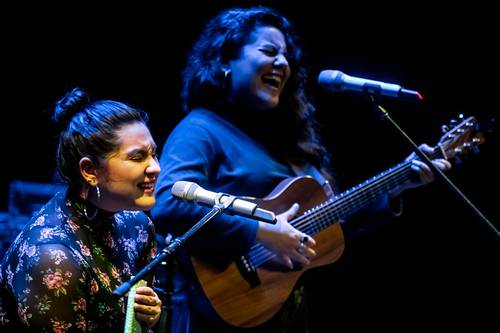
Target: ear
x,y
88,170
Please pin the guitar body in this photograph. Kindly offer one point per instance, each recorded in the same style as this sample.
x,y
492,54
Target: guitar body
x,y
242,305
230,292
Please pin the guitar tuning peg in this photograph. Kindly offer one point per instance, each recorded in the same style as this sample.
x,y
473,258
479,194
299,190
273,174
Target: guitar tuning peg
x,y
453,122
461,116
444,128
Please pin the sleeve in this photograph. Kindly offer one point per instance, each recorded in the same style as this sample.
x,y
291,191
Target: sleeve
x,y
191,154
50,292
387,206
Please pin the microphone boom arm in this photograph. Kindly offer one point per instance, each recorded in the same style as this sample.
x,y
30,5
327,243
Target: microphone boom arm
x,y
439,174
216,210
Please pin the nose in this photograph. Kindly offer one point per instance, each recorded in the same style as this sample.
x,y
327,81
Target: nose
x,y
153,167
280,60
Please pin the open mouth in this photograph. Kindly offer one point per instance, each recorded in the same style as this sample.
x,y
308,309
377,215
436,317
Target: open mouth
x,y
273,80
149,186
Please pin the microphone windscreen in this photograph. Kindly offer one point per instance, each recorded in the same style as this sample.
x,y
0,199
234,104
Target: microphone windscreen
x,y
330,79
184,190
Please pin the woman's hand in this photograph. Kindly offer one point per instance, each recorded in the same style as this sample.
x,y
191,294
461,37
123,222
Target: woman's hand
x,y
287,243
147,306
424,172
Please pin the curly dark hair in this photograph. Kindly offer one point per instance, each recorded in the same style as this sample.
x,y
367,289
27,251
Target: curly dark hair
x,y
220,41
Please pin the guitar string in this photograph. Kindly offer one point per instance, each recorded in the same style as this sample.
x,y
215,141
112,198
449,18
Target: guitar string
x,y
326,211
320,216
354,200
357,197
259,254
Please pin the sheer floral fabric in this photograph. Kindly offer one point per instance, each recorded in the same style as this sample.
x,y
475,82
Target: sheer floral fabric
x,y
59,274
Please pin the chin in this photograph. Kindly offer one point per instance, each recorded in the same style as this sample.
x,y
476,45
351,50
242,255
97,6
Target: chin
x,y
273,102
267,101
145,203
268,105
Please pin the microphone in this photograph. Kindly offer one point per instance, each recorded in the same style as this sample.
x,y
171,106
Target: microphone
x,y
337,81
193,192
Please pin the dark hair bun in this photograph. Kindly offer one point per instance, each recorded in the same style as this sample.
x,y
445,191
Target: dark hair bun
x,y
72,103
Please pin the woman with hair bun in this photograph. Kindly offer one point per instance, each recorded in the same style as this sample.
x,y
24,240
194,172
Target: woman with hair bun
x,y
59,273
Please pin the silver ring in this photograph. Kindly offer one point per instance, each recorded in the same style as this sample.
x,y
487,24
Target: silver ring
x,y
302,248
304,239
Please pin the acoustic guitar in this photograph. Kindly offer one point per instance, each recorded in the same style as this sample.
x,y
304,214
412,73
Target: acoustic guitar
x,y
251,290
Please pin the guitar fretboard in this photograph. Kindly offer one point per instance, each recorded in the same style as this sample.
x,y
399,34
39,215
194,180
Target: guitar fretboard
x,y
344,205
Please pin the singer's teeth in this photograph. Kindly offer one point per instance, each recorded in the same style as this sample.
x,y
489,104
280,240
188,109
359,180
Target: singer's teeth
x,y
146,185
273,80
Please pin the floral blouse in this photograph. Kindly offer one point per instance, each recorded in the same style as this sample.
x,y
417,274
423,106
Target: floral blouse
x,y
60,272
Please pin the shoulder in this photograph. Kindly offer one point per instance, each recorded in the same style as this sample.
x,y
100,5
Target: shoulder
x,y
199,115
47,225
51,232
201,119
45,230
51,215
199,131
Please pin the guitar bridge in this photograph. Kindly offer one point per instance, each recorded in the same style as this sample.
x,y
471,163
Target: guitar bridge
x,y
248,271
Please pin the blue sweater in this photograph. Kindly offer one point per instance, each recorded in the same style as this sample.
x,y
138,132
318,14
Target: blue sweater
x,y
209,150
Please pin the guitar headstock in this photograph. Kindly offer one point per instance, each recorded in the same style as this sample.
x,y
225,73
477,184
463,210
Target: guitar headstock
x,y
461,139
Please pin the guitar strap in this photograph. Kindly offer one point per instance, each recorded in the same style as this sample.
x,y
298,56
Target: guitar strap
x,y
311,170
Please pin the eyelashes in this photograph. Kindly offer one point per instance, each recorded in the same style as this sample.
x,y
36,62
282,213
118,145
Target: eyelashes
x,y
144,156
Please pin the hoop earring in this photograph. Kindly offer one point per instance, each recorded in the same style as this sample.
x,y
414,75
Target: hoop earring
x,y
97,209
227,77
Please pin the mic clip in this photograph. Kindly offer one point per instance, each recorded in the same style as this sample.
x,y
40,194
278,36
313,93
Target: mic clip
x,y
224,204
245,208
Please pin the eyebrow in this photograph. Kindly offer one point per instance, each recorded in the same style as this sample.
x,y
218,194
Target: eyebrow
x,y
141,150
274,45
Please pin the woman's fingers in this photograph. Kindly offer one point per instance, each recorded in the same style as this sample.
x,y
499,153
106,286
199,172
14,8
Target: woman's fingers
x,y
291,212
147,305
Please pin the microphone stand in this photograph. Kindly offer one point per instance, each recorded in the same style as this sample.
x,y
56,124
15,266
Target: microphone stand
x,y
216,210
385,115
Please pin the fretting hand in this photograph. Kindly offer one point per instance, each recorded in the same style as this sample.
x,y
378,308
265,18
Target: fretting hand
x,y
424,172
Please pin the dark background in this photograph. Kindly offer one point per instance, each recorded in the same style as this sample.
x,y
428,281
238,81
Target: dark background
x,y
436,265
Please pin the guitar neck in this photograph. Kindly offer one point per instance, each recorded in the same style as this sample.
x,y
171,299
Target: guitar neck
x,y
346,204
341,206
359,197
355,199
